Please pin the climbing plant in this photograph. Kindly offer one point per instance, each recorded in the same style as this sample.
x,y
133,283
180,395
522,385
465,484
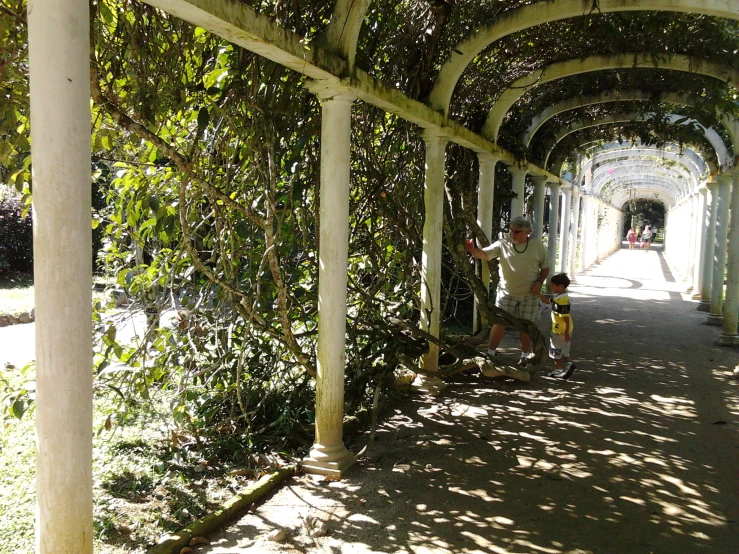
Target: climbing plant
x,y
208,158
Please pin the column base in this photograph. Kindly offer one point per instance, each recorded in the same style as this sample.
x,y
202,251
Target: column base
x,y
432,386
715,319
331,461
704,306
696,296
728,340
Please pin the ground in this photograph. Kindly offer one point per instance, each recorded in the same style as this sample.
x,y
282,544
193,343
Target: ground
x,y
638,452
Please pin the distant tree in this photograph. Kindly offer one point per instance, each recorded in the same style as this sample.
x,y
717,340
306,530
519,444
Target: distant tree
x,y
638,213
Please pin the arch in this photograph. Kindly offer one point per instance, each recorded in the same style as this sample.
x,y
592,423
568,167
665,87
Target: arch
x,y
674,184
684,181
537,14
624,190
732,126
691,165
631,60
687,156
711,135
342,34
645,194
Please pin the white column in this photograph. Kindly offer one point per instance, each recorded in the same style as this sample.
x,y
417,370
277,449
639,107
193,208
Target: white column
x,y
485,197
540,190
729,335
574,228
564,258
431,256
588,232
59,56
519,189
597,207
709,233
329,456
553,223
698,222
715,316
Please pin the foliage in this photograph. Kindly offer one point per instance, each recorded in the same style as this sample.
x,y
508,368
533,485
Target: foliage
x,y
14,122
17,478
644,212
148,478
206,180
214,214
16,234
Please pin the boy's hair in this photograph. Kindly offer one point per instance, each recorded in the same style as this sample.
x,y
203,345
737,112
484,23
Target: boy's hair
x,y
561,279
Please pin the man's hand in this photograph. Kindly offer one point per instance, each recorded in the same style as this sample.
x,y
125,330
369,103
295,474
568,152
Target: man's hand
x,y
469,245
536,287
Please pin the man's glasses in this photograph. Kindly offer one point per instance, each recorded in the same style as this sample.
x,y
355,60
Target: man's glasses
x,y
516,231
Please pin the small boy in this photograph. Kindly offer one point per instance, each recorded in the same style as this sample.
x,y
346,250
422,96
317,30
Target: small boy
x,y
562,326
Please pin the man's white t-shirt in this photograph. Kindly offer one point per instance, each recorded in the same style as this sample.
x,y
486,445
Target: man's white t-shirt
x,y
520,264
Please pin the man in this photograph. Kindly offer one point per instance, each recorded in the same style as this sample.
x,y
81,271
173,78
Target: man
x,y
524,266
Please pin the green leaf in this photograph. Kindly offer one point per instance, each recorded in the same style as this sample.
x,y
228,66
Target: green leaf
x,y
203,117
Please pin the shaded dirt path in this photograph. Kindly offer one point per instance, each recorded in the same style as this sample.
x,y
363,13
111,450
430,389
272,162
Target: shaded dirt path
x,y
638,452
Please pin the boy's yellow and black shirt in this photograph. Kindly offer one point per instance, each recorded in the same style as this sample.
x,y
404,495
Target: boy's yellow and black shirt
x,y
560,312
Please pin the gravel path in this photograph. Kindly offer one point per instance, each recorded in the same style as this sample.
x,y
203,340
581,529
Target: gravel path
x,y
638,452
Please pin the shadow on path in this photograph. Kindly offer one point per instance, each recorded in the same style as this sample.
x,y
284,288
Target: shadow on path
x,y
638,452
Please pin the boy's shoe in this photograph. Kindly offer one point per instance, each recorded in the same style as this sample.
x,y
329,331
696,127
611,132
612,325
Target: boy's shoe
x,y
569,371
525,360
556,373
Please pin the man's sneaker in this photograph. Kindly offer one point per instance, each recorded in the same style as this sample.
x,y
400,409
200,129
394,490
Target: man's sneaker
x,y
569,371
556,373
492,353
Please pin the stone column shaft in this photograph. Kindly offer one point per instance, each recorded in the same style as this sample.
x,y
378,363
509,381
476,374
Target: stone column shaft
x,y
431,255
715,316
565,240
588,230
59,58
574,228
485,198
729,335
700,231
553,223
709,234
519,189
329,456
540,191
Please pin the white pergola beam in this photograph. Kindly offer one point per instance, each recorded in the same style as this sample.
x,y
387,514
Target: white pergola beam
x,y
243,26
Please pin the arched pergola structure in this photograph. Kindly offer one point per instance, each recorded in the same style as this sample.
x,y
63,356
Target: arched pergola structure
x,y
60,107
598,63
731,126
725,159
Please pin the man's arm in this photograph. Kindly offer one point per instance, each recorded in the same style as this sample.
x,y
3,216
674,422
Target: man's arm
x,y
536,285
469,246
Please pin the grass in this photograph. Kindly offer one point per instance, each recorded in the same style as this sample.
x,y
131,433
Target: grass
x,y
17,486
148,478
16,294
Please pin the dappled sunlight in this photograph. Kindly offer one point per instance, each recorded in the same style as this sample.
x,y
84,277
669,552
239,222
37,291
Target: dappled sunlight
x,y
617,452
